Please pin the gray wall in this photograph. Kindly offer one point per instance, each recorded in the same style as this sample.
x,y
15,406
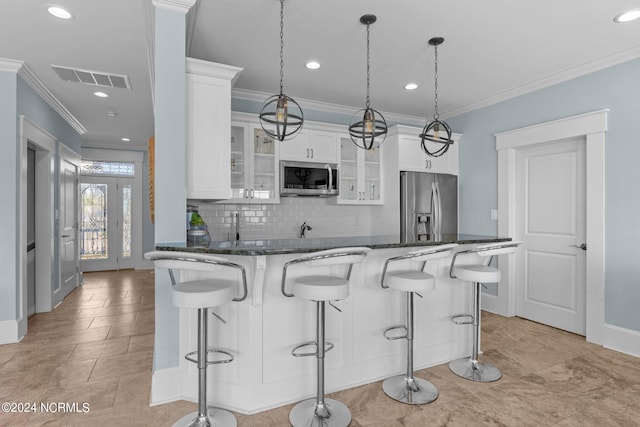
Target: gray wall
x,y
617,89
17,98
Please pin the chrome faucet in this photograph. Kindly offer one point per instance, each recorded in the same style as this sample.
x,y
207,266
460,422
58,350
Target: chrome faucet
x,y
304,227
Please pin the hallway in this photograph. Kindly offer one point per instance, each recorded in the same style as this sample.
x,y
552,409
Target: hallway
x,y
97,348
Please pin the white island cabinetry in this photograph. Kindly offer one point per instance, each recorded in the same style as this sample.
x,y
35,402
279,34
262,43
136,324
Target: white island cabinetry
x,y
262,330
208,129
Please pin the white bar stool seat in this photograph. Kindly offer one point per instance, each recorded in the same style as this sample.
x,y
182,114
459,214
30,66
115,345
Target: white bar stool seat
x,y
320,411
406,388
321,288
202,294
471,368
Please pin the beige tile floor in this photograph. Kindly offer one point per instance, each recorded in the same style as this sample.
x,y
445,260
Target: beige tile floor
x,y
97,347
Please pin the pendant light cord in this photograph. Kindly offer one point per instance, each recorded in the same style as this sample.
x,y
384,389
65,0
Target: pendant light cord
x,y
281,44
368,72
436,115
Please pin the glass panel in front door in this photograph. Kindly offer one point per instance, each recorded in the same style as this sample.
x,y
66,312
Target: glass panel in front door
x,y
93,231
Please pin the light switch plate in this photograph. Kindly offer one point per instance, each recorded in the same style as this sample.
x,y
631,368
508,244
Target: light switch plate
x,y
494,214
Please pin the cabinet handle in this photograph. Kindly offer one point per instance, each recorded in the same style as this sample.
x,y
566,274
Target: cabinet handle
x,y
307,153
251,193
246,193
312,153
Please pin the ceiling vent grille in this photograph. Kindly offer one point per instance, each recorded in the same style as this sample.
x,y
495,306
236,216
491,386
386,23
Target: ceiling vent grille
x,y
94,78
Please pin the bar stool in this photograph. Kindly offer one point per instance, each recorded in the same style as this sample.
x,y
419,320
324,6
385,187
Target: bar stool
x,y
202,294
321,289
406,388
471,368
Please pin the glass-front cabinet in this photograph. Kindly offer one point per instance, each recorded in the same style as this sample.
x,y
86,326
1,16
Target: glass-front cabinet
x,y
360,174
254,165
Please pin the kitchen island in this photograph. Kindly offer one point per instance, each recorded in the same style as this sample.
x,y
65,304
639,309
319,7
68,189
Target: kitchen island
x,y
262,330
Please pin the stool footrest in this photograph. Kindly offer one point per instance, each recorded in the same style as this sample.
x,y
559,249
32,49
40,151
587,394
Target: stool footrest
x,y
396,337
190,356
296,353
462,319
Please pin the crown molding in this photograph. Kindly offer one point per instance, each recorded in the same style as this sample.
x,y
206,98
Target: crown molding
x,y
36,84
328,107
10,65
562,76
181,6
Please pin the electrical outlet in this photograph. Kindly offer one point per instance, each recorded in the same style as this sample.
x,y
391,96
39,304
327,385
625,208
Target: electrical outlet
x,y
494,214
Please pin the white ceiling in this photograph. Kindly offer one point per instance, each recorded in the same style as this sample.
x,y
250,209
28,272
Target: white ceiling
x,y
493,50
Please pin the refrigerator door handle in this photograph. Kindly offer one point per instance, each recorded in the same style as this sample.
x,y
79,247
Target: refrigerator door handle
x,y
438,210
434,211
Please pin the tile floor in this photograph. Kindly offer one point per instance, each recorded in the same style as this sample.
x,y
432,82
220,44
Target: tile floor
x,y
97,348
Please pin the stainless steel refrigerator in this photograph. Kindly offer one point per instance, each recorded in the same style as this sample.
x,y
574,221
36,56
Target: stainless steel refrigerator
x,y
428,206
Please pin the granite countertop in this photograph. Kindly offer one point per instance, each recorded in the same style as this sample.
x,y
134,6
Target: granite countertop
x,y
288,246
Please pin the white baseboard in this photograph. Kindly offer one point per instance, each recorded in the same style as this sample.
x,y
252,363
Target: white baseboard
x,y
621,339
9,332
166,386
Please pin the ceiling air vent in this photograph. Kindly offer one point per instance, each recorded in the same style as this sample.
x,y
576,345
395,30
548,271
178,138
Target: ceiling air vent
x,y
95,78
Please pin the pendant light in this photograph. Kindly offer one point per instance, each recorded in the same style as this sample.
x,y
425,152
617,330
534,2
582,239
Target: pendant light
x,y
437,131
368,128
280,115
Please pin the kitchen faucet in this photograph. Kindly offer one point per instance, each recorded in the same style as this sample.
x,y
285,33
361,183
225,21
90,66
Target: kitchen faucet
x,y
304,227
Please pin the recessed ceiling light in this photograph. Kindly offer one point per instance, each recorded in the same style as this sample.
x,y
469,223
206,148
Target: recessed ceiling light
x,y
59,12
312,65
630,15
411,86
101,94
125,139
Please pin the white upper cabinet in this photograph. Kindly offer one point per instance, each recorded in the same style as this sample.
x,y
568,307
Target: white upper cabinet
x,y
360,174
311,145
254,163
412,158
208,96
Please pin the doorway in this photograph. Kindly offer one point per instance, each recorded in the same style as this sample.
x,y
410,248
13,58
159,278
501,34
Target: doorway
x,y
106,223
591,127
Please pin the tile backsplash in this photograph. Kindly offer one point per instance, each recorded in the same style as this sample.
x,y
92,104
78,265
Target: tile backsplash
x,y
283,220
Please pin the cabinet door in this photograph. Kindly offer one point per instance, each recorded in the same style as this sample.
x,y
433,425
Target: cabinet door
x,y
412,158
207,148
296,148
240,166
349,191
263,182
323,146
360,174
371,179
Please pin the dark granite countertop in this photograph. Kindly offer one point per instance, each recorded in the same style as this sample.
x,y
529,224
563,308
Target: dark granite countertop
x,y
288,246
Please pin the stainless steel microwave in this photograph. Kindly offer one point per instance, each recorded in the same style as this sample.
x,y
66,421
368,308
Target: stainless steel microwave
x,y
308,179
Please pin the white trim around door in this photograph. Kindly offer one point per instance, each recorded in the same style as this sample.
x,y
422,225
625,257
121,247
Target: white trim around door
x,y
592,126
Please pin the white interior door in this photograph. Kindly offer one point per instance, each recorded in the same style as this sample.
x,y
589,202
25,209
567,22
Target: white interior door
x,y
551,205
68,220
106,211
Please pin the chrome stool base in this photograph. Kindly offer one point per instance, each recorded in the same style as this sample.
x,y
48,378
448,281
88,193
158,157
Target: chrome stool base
x,y
216,418
474,370
415,391
308,414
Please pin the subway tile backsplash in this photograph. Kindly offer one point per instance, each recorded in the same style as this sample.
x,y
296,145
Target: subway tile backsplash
x,y
283,220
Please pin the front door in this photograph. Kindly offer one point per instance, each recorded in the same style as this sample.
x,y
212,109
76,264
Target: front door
x,y
69,266
551,205
105,206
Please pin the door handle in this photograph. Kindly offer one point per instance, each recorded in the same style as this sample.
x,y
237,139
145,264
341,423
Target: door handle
x,y
66,235
583,246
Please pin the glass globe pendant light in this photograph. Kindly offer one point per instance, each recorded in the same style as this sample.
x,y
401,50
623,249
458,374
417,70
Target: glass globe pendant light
x,y
280,115
368,128
437,131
